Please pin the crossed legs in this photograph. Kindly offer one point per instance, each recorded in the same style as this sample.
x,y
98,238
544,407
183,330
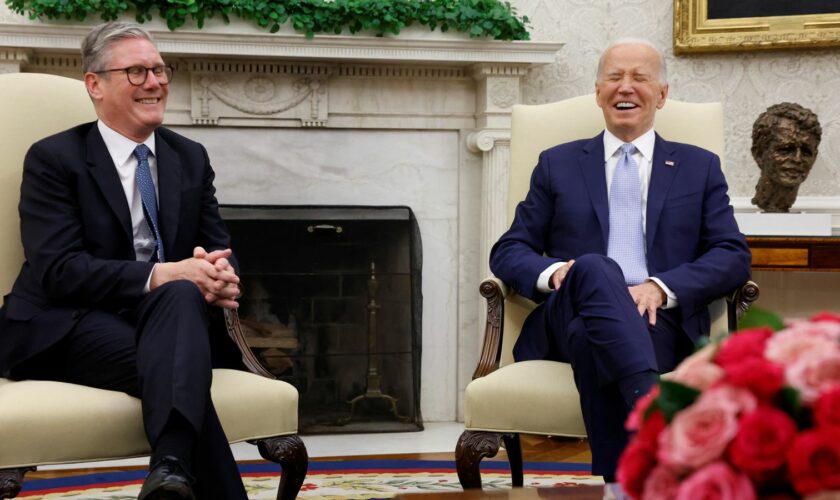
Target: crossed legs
x,y
597,327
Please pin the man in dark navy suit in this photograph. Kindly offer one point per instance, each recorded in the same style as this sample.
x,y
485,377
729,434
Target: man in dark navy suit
x,y
625,239
127,259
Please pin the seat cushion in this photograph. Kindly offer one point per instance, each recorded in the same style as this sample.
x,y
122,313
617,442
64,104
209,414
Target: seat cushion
x,y
534,397
53,422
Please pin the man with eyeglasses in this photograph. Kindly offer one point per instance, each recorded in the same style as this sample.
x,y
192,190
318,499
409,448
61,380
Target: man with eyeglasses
x,y
127,262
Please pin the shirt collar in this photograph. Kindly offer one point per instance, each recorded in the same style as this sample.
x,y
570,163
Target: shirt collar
x,y
119,146
644,143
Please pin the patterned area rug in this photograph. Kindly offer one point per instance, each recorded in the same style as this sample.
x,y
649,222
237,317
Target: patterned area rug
x,y
354,479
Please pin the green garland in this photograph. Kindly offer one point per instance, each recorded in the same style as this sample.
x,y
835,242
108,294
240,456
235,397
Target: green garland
x,y
480,18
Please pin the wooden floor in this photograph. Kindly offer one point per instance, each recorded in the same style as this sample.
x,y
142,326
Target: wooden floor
x,y
534,449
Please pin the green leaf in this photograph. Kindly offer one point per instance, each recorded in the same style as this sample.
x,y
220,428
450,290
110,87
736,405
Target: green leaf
x,y
790,401
478,18
756,317
674,397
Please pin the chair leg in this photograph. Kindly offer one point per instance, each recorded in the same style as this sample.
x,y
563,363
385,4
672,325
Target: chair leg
x,y
290,453
11,481
514,453
471,448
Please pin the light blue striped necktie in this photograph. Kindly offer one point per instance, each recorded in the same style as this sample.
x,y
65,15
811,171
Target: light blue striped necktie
x,y
626,243
143,176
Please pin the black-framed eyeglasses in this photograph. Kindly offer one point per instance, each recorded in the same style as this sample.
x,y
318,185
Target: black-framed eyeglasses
x,y
137,74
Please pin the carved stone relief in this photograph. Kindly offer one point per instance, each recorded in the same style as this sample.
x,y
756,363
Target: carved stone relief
x,y
258,96
746,82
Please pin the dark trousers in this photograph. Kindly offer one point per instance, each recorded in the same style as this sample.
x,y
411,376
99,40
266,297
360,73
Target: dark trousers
x,y
162,351
598,329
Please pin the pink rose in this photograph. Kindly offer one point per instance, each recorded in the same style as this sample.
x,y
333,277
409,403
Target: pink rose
x,y
700,433
717,481
764,436
823,327
698,370
789,345
827,408
813,373
661,484
743,344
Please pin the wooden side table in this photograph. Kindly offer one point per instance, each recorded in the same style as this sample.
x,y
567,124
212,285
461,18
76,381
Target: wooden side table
x,y
795,253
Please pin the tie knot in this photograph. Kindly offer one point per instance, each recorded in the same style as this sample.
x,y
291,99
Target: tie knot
x,y
628,149
141,152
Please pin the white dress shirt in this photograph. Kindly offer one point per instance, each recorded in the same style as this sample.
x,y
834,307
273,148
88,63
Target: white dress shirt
x,y
121,150
643,158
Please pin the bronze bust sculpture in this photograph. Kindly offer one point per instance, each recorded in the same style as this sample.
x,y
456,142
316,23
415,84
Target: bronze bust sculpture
x,y
785,140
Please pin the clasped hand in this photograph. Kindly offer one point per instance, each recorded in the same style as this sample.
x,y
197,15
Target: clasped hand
x,y
647,296
210,271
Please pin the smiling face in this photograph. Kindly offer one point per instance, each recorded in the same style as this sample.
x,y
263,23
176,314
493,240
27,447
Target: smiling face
x,y
628,89
133,111
789,155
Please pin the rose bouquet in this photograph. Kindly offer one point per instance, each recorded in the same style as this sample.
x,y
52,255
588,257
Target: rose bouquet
x,y
755,416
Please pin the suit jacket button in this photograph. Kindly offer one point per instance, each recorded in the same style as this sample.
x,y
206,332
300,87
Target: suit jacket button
x,y
75,315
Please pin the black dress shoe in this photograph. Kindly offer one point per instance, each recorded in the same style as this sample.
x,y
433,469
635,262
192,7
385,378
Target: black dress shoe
x,y
167,480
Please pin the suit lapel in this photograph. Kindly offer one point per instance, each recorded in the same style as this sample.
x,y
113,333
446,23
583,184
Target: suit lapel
x,y
592,168
663,170
104,172
169,191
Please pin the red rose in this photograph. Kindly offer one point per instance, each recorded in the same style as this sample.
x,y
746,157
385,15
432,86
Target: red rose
x,y
827,408
764,436
764,378
826,316
648,435
635,464
637,415
743,345
814,460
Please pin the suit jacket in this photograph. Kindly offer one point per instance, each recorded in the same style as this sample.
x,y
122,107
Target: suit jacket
x,y
77,235
692,240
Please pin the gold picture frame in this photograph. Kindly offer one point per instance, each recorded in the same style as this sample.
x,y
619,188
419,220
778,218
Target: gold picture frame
x,y
695,32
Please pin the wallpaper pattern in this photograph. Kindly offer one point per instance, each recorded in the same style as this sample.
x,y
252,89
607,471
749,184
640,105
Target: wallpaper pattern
x,y
746,82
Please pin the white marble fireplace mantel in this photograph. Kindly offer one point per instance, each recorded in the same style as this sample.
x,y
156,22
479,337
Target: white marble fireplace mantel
x,y
422,120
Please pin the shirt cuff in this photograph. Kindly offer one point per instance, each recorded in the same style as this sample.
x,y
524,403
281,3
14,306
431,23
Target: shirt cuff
x,y
148,287
544,281
672,298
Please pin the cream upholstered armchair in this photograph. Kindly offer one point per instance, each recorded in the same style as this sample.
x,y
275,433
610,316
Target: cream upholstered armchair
x,y
51,422
540,397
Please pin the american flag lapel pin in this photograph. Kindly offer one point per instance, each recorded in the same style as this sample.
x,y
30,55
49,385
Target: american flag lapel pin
x,y
669,163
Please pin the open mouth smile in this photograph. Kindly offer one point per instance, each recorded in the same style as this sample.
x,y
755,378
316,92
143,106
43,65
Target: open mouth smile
x,y
148,100
624,105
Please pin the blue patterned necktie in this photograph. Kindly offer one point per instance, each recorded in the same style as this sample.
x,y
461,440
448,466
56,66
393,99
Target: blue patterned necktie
x,y
143,176
626,243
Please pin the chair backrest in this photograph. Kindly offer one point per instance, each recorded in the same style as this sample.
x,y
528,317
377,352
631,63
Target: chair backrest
x,y
34,106
537,128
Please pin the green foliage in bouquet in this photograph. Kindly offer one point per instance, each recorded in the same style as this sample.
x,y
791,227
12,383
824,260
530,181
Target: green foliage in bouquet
x,y
756,317
479,18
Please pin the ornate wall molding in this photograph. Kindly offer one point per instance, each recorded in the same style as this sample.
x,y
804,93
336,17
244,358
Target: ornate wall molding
x,y
258,95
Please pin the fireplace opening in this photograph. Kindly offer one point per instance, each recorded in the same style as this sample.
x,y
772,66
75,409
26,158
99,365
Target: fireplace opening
x,y
332,304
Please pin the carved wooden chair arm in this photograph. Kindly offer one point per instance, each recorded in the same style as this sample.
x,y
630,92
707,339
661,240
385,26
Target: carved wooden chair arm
x,y
740,301
234,329
495,291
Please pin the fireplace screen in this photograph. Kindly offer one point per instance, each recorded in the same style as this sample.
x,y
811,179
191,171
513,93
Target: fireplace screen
x,y
332,304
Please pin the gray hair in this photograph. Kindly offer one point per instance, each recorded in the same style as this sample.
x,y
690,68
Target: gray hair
x,y
663,68
97,44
